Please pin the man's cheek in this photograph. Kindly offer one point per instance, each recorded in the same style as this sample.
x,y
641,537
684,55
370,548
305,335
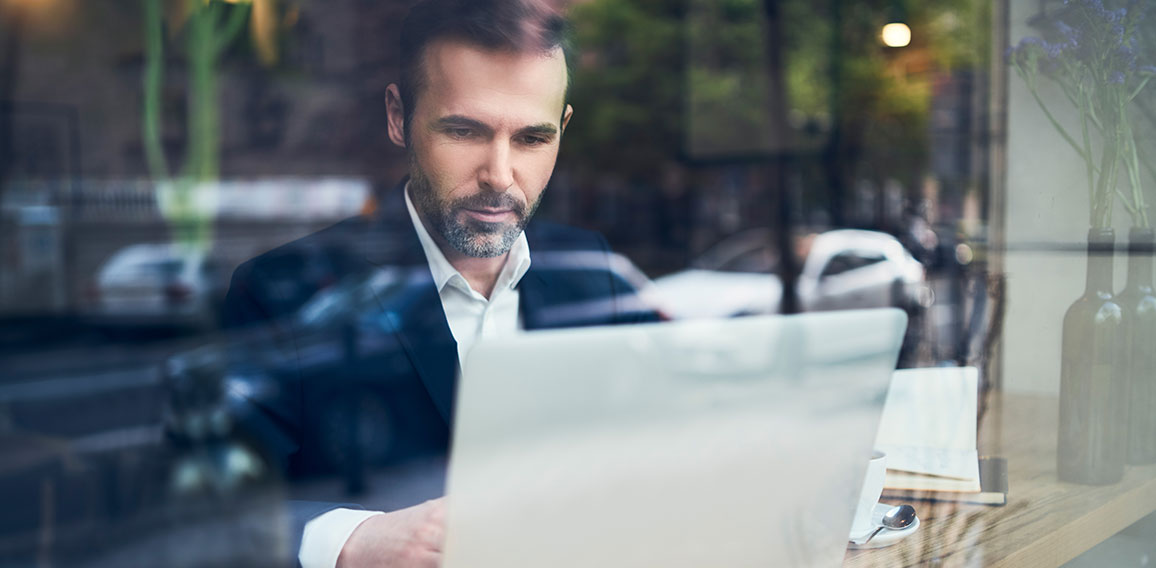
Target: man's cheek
x,y
457,172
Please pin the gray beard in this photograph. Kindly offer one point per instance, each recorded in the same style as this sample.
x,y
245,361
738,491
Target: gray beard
x,y
470,237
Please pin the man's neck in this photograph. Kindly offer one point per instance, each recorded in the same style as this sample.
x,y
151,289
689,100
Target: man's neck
x,y
481,273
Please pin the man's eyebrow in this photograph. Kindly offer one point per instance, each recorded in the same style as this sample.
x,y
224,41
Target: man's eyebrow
x,y
543,129
459,120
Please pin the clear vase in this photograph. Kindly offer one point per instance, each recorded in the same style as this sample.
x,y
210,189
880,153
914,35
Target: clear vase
x,y
1093,385
1139,305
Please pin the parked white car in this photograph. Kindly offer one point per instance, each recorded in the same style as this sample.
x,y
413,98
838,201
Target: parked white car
x,y
157,285
842,269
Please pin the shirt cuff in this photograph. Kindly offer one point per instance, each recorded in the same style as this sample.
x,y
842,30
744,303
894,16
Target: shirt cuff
x,y
326,535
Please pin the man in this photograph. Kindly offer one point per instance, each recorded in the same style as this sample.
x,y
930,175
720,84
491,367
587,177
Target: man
x,y
480,109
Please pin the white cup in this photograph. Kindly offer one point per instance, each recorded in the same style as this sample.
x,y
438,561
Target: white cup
x,y
869,495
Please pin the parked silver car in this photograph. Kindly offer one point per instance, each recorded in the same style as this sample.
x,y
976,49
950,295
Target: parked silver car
x,y
841,269
157,285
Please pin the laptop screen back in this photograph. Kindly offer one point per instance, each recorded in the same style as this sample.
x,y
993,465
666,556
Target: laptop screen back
x,y
737,442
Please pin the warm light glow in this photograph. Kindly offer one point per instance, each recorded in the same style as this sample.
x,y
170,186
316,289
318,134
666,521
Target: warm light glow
x,y
896,35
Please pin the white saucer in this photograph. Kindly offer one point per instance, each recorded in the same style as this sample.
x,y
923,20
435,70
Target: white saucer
x,y
886,537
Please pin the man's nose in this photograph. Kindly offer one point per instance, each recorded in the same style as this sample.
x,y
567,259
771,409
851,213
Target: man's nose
x,y
497,173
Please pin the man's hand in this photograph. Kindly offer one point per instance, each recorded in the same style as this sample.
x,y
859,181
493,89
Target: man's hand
x,y
409,538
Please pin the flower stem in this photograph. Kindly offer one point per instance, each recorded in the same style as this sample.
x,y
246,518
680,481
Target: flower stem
x,y
1132,159
1136,92
153,81
1063,132
1131,209
238,15
1089,166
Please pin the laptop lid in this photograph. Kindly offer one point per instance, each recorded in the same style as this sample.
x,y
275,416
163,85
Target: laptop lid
x,y
739,442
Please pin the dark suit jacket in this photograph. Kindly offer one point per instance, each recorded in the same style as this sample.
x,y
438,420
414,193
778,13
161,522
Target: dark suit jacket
x,y
345,327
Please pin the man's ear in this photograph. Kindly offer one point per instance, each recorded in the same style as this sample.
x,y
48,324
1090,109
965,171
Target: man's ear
x,y
566,114
395,110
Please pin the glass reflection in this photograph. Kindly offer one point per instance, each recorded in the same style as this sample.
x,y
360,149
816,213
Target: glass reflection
x,y
739,158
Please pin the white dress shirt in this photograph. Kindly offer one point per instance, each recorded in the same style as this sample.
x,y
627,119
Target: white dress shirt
x,y
471,316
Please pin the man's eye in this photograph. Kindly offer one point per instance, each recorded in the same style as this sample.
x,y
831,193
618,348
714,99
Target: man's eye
x,y
535,140
460,132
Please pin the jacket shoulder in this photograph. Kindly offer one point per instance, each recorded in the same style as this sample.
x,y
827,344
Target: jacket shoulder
x,y
277,282
547,235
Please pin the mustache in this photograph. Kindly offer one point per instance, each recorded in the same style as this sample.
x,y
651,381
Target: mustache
x,y
491,201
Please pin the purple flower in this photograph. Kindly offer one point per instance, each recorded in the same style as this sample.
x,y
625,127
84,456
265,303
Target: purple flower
x,y
1029,44
1090,37
1096,11
1138,10
1067,32
1095,5
1148,69
1126,57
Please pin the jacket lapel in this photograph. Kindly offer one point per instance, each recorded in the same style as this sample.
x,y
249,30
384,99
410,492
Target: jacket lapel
x,y
533,293
414,308
420,324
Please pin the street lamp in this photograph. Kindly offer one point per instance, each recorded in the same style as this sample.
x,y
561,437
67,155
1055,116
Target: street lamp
x,y
896,34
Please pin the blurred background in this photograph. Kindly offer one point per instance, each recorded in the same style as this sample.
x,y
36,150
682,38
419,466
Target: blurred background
x,y
745,156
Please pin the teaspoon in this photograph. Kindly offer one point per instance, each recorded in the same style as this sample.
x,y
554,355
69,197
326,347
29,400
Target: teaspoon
x,y
899,517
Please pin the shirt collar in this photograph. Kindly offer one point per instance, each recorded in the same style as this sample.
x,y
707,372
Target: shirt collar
x,y
517,263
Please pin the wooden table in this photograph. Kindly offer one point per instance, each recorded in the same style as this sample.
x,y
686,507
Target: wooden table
x,y
1045,522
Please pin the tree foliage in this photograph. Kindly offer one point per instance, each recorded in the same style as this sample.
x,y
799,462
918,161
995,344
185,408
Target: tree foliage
x,y
664,80
627,85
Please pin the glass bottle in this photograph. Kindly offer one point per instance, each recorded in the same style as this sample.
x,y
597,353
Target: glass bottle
x,y
1093,389
1139,305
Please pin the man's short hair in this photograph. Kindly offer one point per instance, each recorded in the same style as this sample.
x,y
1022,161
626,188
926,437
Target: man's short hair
x,y
522,26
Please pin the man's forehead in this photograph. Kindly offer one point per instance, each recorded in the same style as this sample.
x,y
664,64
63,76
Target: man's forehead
x,y
461,77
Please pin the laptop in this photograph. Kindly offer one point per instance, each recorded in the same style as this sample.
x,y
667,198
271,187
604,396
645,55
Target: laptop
x,y
739,442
